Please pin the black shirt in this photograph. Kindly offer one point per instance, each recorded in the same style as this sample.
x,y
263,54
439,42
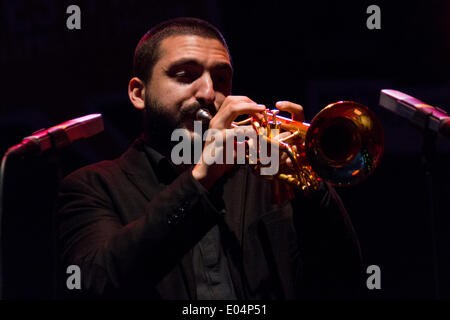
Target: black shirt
x,y
212,274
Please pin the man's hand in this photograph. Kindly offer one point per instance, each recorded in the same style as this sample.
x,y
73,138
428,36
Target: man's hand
x,y
297,114
231,108
281,190
294,109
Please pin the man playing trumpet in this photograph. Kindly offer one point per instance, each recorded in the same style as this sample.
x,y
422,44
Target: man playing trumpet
x,y
143,227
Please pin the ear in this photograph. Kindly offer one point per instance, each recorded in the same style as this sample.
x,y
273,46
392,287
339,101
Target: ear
x,y
136,93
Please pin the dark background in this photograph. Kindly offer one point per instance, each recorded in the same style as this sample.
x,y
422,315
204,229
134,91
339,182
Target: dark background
x,y
309,52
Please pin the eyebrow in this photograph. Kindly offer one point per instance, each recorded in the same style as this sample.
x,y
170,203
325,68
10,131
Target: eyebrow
x,y
192,61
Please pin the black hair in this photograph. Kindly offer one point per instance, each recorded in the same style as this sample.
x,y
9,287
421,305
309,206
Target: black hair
x,y
147,51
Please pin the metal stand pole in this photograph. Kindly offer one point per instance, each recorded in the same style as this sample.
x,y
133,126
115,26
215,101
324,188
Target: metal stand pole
x,y
428,161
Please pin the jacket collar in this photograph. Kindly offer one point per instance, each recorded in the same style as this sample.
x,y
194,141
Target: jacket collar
x,y
139,168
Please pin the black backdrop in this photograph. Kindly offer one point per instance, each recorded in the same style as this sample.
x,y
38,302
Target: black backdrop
x,y
310,52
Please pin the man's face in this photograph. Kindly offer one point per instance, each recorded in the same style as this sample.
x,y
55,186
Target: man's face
x,y
192,73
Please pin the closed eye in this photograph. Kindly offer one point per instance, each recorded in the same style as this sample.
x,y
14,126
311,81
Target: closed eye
x,y
185,72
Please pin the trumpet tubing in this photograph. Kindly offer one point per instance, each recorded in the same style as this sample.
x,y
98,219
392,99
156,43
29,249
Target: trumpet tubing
x,y
342,145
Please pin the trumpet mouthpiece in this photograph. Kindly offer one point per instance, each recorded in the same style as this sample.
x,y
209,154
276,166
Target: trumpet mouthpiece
x,y
203,114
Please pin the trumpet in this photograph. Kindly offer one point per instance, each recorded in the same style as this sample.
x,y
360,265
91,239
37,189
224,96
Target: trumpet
x,y
342,145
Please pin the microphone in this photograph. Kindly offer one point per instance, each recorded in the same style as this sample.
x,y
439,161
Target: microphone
x,y
55,137
59,136
416,111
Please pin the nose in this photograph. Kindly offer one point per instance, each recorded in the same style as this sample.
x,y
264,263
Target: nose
x,y
205,93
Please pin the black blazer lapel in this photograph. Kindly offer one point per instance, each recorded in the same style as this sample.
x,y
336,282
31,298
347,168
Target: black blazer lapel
x,y
136,165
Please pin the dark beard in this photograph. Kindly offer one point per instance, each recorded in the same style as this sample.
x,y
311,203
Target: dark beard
x,y
159,124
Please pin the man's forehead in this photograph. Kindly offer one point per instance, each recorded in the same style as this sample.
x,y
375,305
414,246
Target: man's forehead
x,y
191,46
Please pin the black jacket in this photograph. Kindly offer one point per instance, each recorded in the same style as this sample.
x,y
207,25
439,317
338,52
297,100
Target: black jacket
x,y
131,232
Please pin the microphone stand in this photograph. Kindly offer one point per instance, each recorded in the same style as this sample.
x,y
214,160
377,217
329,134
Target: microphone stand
x,y
53,138
429,163
2,176
431,121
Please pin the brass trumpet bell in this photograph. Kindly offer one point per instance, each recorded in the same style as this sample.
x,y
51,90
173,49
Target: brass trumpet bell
x,y
343,145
